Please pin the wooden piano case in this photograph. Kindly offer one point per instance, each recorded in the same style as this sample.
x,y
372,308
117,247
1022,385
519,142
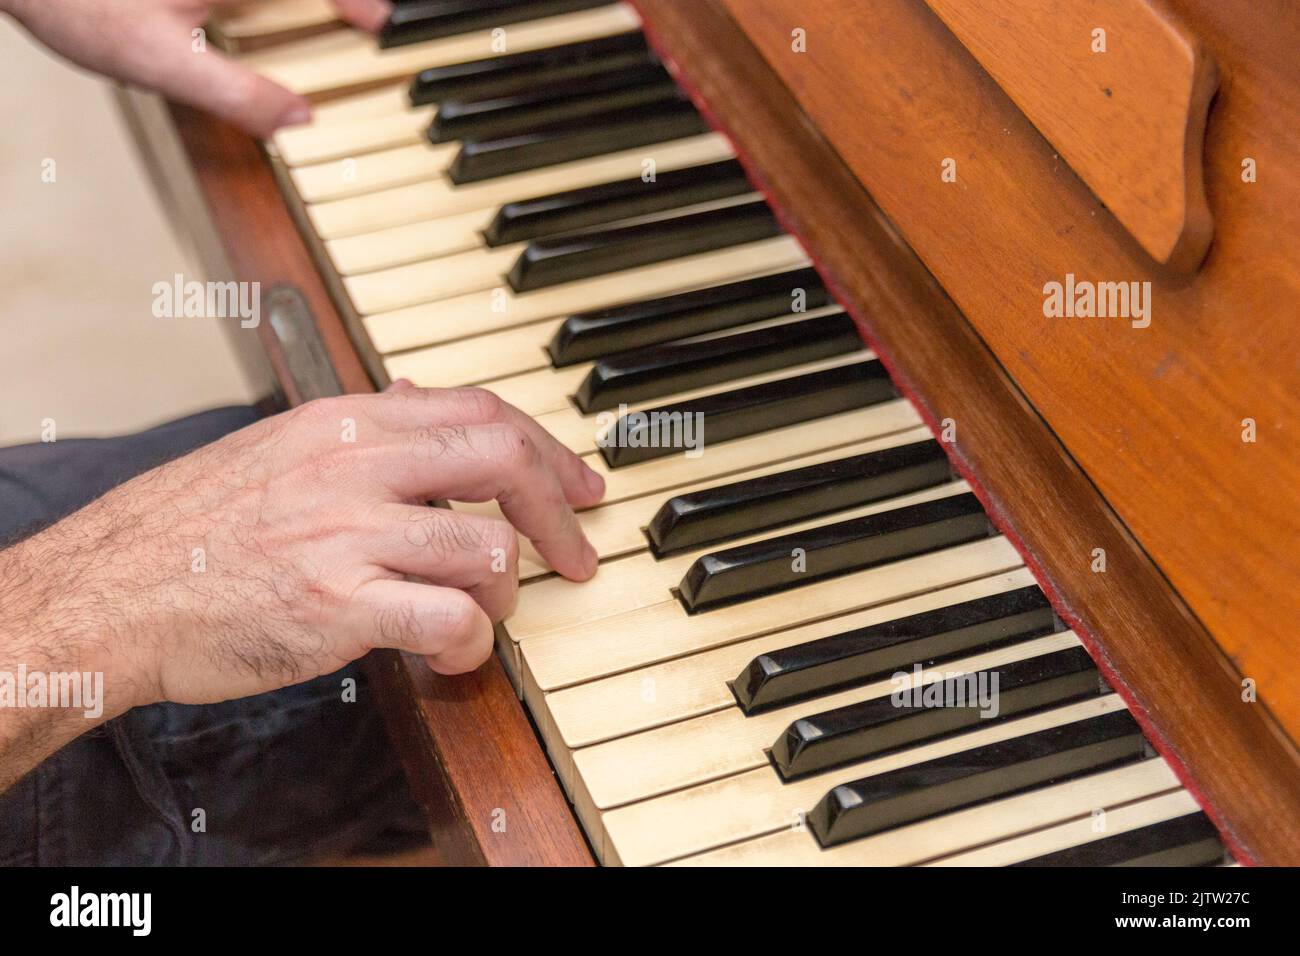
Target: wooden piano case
x,y
1081,439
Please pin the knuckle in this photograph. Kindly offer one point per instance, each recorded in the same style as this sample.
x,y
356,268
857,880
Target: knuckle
x,y
312,415
514,449
479,404
458,618
399,625
442,535
437,440
503,537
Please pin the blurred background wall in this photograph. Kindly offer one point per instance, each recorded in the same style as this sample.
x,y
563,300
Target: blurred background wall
x,y
78,260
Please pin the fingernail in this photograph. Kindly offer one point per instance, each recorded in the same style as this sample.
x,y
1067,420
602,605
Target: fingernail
x,y
591,560
296,115
399,384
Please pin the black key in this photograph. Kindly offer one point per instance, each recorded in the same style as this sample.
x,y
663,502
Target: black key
x,y
567,258
764,567
541,107
832,663
589,335
664,369
419,20
747,507
595,136
659,432
910,794
610,202
1184,841
874,727
521,72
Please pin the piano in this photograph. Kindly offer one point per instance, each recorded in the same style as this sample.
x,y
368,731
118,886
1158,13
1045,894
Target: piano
x,y
913,553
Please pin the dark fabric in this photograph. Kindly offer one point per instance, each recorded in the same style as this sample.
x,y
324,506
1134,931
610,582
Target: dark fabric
x,y
290,776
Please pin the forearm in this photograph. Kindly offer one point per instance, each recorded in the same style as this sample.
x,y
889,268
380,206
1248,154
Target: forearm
x,y
67,661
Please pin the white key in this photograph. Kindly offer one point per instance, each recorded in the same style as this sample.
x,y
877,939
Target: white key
x,y
413,242
945,835
348,59
474,270
1116,820
549,389
692,686
583,433
477,313
441,197
490,357
248,21
650,634
432,280
366,173
755,802
643,581
319,142
725,743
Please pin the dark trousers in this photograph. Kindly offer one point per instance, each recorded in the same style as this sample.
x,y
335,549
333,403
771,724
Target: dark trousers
x,y
284,777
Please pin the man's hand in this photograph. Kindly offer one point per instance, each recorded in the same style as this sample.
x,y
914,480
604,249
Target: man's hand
x,y
150,43
288,549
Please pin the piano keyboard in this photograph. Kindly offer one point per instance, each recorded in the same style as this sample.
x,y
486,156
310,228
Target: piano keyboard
x,y
530,205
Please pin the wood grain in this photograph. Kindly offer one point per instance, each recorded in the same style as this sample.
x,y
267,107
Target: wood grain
x,y
1153,415
467,746
1179,683
1126,108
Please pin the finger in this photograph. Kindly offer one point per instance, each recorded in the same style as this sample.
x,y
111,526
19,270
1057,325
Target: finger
x,y
367,14
444,626
483,462
473,553
234,93
419,407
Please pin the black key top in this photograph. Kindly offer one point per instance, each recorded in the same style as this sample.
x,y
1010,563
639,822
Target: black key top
x,y
747,507
874,727
832,663
419,20
595,136
664,369
546,106
559,259
589,335
1184,841
910,794
662,431
611,202
521,72
764,567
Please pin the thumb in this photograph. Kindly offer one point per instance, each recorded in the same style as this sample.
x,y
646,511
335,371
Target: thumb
x,y
234,93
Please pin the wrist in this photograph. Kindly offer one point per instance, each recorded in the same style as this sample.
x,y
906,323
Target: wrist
x,y
60,617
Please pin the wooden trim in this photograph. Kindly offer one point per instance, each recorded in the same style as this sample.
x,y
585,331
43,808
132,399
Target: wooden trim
x,y
468,748
1131,123
1232,755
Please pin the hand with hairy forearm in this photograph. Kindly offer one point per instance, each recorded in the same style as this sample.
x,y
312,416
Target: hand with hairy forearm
x,y
287,550
150,43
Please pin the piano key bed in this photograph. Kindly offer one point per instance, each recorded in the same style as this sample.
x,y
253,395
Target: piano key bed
x,y
805,644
